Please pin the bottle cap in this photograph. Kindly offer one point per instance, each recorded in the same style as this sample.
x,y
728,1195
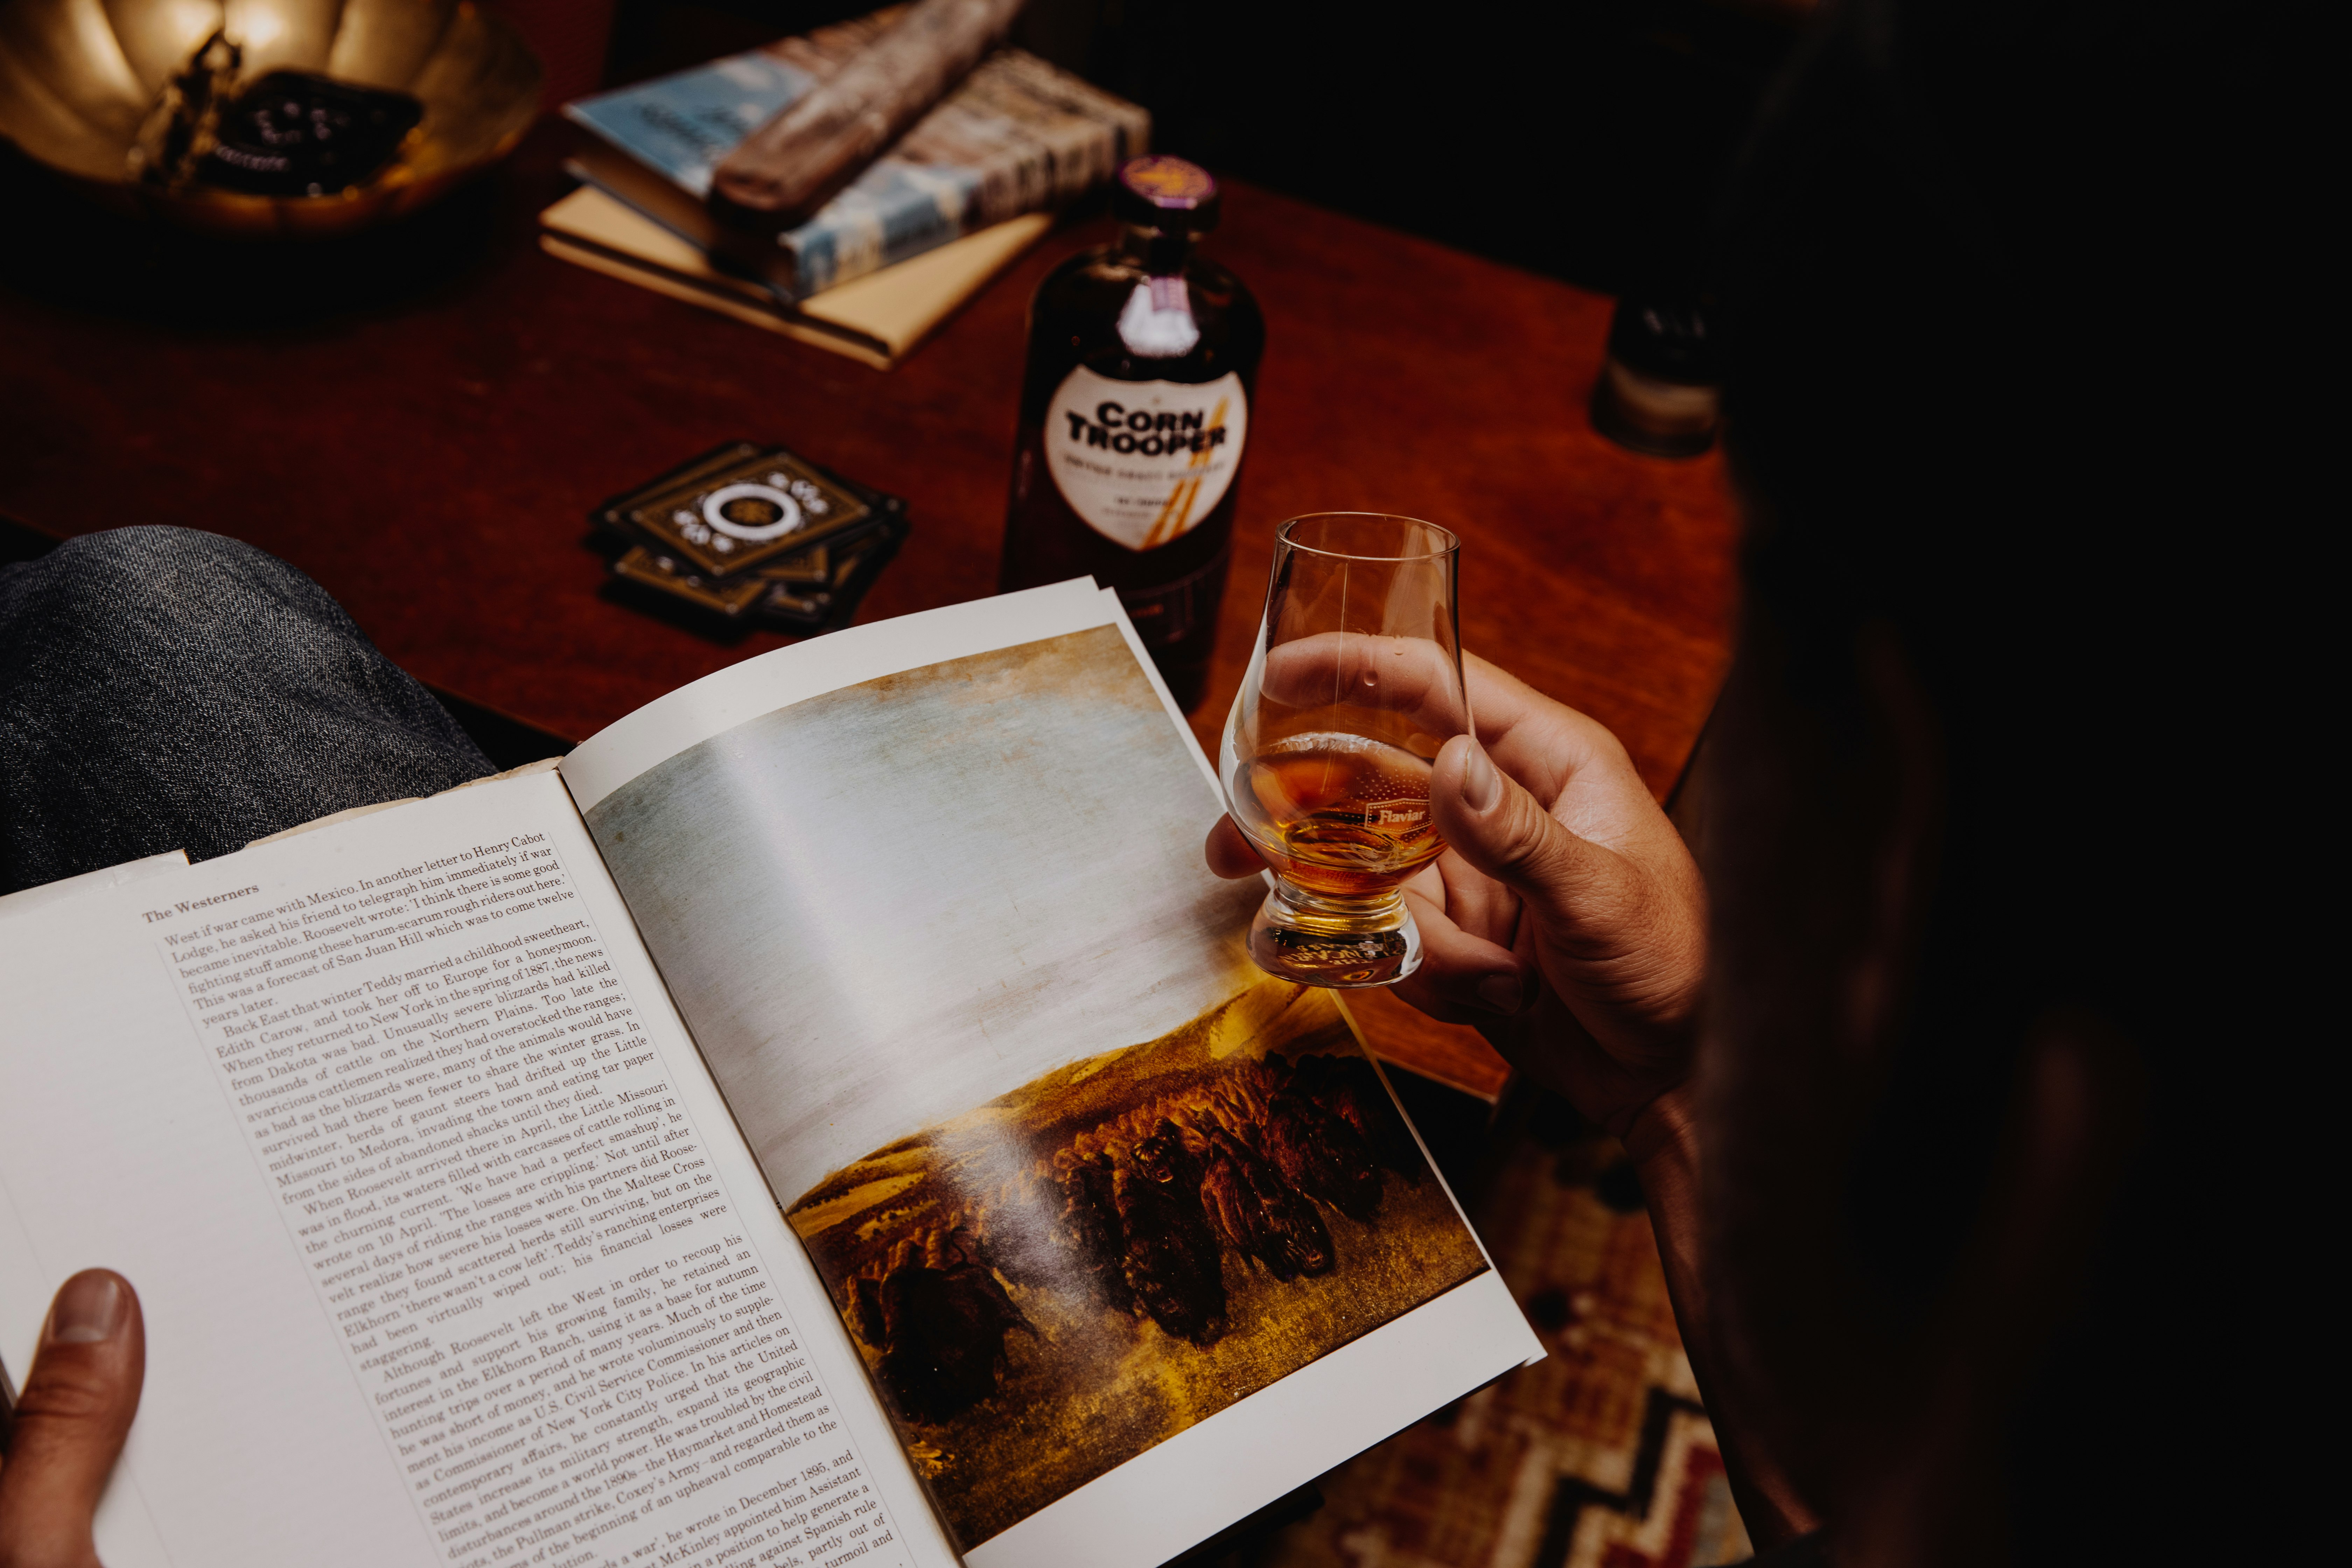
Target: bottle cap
x,y
1667,341
1156,191
1656,392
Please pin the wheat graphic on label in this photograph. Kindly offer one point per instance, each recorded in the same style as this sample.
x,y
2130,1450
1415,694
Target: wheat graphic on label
x,y
1176,515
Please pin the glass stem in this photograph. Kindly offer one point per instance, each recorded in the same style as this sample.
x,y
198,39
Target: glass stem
x,y
1333,906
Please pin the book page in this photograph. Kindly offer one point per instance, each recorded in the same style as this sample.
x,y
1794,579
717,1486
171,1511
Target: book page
x,y
27,900
450,1253
1104,1208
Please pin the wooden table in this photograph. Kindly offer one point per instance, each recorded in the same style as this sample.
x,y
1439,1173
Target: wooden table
x,y
431,457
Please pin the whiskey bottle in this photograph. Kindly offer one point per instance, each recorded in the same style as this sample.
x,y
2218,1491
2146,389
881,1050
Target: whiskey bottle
x,y
1135,416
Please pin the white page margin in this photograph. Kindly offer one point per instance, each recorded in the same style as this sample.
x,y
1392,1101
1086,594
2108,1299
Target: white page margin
x,y
1181,1491
25,900
123,1522
225,1280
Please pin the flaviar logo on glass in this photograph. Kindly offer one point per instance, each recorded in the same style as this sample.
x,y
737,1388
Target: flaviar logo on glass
x,y
1144,462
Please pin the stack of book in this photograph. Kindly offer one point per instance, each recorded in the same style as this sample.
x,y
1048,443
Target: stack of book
x,y
965,191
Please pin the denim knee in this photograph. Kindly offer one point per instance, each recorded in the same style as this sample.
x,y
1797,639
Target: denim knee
x,y
161,687
151,579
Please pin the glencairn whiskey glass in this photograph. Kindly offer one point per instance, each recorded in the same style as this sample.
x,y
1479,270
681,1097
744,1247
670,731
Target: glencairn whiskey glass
x,y
1355,684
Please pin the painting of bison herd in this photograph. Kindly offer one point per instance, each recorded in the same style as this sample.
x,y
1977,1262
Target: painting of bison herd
x,y
1049,1285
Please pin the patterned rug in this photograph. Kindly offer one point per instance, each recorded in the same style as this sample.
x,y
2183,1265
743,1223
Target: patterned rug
x,y
1597,1457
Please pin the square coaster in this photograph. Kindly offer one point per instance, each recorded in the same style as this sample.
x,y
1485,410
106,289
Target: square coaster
x,y
738,509
808,579
855,564
730,597
810,568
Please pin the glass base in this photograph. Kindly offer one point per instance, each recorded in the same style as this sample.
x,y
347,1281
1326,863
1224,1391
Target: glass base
x,y
1338,944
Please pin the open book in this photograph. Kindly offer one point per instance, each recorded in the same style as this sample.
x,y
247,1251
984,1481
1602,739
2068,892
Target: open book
x,y
830,1118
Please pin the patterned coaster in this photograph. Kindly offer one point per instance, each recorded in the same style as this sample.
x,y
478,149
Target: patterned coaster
x,y
748,535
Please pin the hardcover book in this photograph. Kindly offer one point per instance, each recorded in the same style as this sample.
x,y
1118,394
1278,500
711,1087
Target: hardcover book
x,y
877,320
1018,136
830,1117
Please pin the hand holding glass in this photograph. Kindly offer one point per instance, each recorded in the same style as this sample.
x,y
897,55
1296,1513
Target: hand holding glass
x,y
1355,685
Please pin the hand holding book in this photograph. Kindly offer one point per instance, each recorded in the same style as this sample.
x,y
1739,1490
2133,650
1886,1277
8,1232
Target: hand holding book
x,y
62,1434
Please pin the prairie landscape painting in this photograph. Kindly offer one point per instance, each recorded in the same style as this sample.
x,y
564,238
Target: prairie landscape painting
x,y
879,906
1048,1285
1075,1173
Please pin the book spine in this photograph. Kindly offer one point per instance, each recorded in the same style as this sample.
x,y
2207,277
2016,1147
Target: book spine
x,y
896,210
625,179
1019,136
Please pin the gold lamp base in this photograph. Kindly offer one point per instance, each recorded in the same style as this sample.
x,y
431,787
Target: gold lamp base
x,y
78,81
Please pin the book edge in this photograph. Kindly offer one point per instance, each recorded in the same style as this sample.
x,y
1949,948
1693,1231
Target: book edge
x,y
858,346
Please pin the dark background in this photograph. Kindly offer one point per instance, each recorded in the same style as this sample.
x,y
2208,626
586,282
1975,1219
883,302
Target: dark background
x,y
1581,140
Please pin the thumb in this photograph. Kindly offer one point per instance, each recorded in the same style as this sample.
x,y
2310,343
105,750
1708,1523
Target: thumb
x,y
1492,822
70,1422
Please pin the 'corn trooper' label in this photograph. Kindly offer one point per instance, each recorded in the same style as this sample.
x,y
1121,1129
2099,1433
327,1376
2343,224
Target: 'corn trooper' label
x,y
1145,462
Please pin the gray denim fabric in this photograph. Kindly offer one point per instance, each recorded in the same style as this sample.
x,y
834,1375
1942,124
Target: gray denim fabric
x,y
162,688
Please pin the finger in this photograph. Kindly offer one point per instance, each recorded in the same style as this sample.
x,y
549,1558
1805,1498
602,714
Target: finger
x,y
1475,901
1542,743
1428,884
1496,826
1463,978
1229,854
1417,677
71,1421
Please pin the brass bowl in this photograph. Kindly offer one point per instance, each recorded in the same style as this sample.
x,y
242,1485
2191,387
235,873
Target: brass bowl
x,y
79,77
